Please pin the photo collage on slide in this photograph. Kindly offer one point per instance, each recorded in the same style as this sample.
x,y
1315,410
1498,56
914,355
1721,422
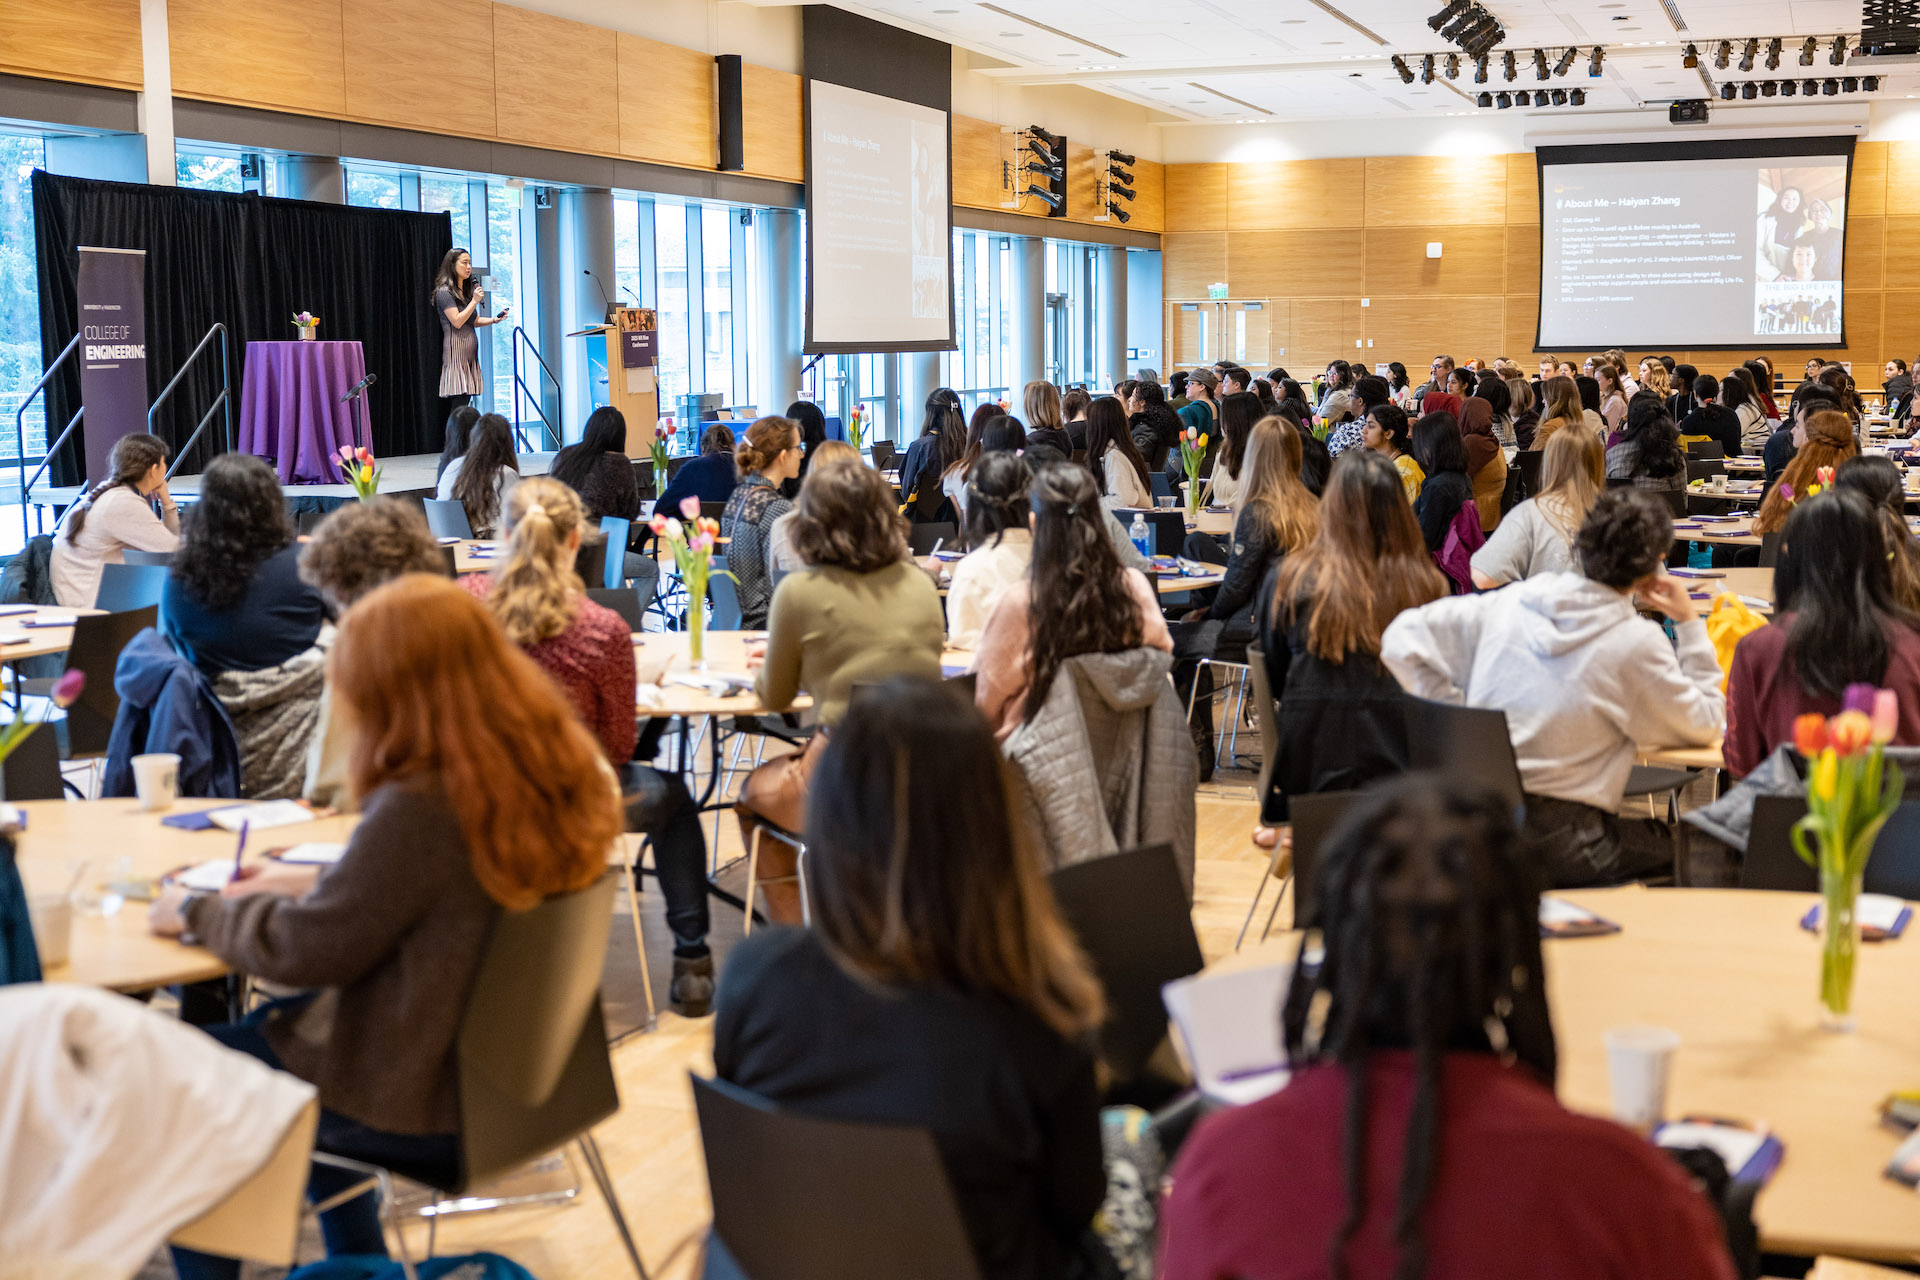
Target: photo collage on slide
x,y
1799,234
931,242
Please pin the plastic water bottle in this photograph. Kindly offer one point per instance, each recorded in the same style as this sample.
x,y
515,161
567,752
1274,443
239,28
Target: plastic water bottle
x,y
1142,534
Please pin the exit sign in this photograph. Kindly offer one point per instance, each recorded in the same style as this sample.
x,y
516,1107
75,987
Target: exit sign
x,y
1216,291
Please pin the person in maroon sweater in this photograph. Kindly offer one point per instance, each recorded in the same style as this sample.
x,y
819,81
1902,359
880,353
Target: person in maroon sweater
x,y
1406,1144
587,649
1838,624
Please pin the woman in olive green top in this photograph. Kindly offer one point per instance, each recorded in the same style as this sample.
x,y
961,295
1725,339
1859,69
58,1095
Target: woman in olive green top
x,y
862,613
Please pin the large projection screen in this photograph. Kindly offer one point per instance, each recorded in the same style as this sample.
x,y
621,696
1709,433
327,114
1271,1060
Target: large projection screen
x,y
1694,245
879,224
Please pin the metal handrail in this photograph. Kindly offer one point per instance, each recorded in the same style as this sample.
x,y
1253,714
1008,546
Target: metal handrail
x,y
20,428
222,401
519,385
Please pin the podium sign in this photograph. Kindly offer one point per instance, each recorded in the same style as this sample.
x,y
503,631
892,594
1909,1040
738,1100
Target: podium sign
x,y
639,337
111,291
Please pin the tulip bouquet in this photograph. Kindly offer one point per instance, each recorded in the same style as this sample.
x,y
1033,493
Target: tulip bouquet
x,y
857,428
693,544
1193,448
306,322
1851,791
356,464
662,436
66,691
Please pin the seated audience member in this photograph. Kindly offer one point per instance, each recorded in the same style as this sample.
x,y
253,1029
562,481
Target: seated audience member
x,y
860,612
1155,428
1420,1135
1837,623
1239,410
1077,598
587,650
1369,393
1075,402
114,517
1585,683
482,477
1561,408
1822,438
482,794
781,557
460,424
1319,619
1004,434
953,481
937,987
922,461
805,415
1442,455
1649,452
767,458
234,605
1119,472
1896,384
1537,536
1045,422
1526,411
1737,395
1499,396
1613,399
1684,399
1201,412
1590,405
1388,434
598,468
709,477
1002,546
1790,436
358,547
1316,463
1042,455
1882,483
1710,418
1486,462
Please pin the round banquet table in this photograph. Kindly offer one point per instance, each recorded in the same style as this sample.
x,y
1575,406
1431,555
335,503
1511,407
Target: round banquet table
x,y
290,407
1733,973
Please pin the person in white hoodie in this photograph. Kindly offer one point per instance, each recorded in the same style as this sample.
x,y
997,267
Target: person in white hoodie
x,y
1584,681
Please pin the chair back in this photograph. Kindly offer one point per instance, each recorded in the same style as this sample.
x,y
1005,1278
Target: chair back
x,y
624,601
130,586
709,510
447,518
1700,468
1892,868
1266,719
132,555
1169,532
1706,449
532,1055
1314,818
922,537
32,772
1160,484
449,560
1619,482
1469,743
614,533
725,594
882,454
1130,912
1770,549
98,639
786,1187
673,466
1676,500
1529,461
590,562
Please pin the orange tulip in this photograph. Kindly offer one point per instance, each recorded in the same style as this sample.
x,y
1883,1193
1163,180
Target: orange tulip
x,y
1850,732
1810,734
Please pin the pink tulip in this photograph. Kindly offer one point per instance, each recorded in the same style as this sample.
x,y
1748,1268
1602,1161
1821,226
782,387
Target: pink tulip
x,y
67,689
1886,716
702,542
690,507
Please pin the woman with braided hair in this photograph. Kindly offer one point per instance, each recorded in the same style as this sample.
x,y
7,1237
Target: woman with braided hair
x,y
1420,1136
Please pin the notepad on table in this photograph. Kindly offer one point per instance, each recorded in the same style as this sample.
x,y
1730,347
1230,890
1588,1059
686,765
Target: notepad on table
x,y
210,876
1229,1025
1751,1152
260,817
1562,919
1881,917
313,853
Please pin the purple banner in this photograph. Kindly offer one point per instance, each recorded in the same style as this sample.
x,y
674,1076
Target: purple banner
x,y
639,340
113,349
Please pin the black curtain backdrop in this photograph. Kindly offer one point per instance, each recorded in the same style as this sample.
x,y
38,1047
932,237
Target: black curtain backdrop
x,y
249,262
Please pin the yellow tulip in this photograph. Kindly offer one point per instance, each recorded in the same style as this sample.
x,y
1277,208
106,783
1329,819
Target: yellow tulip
x,y
1826,775
366,475
1203,442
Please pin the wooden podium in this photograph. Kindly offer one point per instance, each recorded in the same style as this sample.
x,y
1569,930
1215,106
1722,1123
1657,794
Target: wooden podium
x,y
623,370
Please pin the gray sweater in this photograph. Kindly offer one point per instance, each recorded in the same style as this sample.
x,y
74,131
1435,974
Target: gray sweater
x,y
1525,544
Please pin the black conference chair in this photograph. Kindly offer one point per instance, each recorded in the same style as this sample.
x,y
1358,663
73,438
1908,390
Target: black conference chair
x,y
32,772
1701,468
98,639
1160,484
923,537
133,555
1771,863
1676,500
130,586
1770,549
883,454
1132,914
1707,450
710,510
1169,532
1529,462
449,561
1315,818
590,562
624,601
785,1188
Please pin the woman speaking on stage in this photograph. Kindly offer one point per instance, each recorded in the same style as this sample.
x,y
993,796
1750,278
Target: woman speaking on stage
x,y
457,298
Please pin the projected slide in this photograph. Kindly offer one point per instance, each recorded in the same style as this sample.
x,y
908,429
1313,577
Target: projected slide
x,y
1708,251
879,223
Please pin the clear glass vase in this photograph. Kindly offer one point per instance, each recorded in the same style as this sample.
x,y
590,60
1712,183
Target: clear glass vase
x,y
1839,945
697,626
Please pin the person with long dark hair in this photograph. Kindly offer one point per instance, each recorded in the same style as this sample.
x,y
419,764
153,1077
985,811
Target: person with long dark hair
x,y
1388,433
1737,394
1836,623
459,435
1419,1134
456,297
1879,480
709,477
938,986
1002,542
114,517
1077,598
598,468
953,478
481,479
923,462
1155,427
1648,452
767,458
806,415
1119,472
1442,455
1239,410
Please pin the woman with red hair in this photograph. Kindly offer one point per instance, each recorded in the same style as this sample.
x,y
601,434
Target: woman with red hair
x,y
481,792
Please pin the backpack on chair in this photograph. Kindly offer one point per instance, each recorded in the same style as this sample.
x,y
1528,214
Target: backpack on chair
x,y
1455,556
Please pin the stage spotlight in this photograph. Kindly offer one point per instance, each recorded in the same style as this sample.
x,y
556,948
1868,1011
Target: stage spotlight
x,y
1839,55
1453,10
1727,92
1578,97
1768,88
1121,157
1400,65
1871,84
1593,63
1809,87
1788,88
1051,200
1724,52
1565,64
1807,51
1749,91
1851,84
1453,66
1480,69
1125,193
1691,58
1830,87
1773,54
1508,65
1503,100
1116,211
1452,32
1746,55
1484,100
1426,69
1520,98
1540,69
1559,97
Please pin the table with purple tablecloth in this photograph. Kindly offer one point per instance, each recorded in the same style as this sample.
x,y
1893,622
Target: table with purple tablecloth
x,y
290,407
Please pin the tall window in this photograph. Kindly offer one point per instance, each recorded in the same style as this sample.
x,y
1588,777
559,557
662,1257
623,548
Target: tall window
x,y
716,258
670,242
503,265
373,189
206,171
447,195
626,246
20,155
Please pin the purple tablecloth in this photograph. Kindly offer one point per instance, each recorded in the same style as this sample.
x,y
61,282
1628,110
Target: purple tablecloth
x,y
290,409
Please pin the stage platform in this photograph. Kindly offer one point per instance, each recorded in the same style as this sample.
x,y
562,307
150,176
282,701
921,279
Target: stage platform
x,y
411,475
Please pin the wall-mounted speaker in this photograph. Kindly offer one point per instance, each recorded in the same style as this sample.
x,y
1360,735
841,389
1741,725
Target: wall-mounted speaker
x,y
733,143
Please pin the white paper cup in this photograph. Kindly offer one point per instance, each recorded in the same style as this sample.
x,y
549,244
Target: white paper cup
x,y
156,780
52,918
1639,1063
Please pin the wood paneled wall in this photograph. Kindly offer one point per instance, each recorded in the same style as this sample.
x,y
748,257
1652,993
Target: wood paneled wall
x,y
1310,239
95,42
